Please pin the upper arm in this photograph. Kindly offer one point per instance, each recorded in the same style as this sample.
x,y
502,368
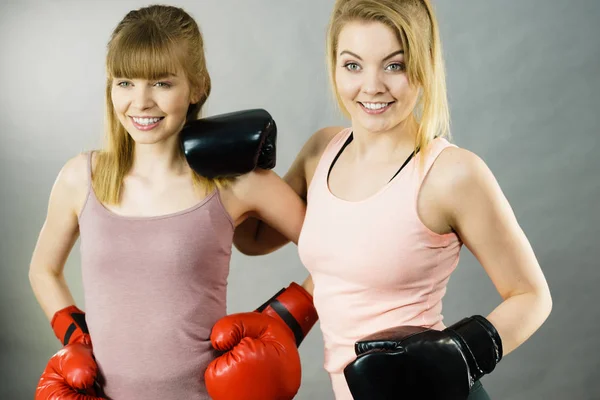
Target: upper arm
x,y
277,218
272,200
480,214
61,228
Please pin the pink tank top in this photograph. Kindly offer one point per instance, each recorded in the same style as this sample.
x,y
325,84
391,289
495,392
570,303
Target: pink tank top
x,y
153,289
374,264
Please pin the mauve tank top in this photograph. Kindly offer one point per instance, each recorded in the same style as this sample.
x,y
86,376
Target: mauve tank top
x,y
153,289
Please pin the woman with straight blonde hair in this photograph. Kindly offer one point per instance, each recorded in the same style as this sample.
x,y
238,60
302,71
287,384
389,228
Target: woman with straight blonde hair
x,y
156,235
390,202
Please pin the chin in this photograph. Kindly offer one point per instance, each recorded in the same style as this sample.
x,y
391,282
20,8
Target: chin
x,y
145,137
375,126
145,141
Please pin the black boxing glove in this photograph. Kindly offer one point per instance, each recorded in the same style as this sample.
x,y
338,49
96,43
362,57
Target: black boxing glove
x,y
229,145
410,362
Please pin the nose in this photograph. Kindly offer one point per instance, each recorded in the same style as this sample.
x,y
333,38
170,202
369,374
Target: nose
x,y
142,98
373,83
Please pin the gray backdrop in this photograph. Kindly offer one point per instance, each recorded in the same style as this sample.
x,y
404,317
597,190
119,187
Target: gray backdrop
x,y
524,90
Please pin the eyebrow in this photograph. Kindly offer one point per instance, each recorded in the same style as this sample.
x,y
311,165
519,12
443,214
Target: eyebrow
x,y
384,59
167,75
156,78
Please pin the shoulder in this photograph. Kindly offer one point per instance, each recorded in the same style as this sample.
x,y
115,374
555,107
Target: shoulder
x,y
460,179
459,168
71,185
318,142
75,173
315,146
302,169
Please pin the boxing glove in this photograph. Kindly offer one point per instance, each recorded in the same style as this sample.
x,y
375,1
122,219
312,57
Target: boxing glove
x,y
69,326
415,362
72,371
293,306
261,359
229,145
69,375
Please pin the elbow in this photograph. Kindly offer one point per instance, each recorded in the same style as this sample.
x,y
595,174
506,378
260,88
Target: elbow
x,y
33,275
35,279
38,275
249,250
546,299
543,304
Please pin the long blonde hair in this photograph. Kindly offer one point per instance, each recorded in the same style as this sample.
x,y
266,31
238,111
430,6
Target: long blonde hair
x,y
148,43
416,27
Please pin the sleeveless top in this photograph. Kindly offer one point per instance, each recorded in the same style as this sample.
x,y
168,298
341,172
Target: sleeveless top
x,y
374,264
153,289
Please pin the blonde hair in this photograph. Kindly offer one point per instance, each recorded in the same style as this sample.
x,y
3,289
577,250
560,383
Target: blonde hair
x,y
416,28
148,43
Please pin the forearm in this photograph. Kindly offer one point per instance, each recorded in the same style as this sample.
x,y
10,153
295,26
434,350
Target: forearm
x,y
51,292
519,316
253,237
308,285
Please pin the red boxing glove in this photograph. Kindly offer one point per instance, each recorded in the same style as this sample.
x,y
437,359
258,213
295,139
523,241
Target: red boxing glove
x,y
261,359
69,326
71,373
294,306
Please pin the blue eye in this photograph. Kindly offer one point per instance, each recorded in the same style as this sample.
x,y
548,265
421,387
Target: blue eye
x,y
396,67
123,84
163,84
351,66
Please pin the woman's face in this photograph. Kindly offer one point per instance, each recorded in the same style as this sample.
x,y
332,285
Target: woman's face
x,y
371,78
151,111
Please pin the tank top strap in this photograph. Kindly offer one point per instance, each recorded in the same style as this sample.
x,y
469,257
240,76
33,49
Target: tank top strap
x,y
431,154
90,196
89,168
329,154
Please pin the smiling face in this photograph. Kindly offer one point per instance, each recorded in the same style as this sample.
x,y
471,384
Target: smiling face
x,y
370,77
151,110
156,76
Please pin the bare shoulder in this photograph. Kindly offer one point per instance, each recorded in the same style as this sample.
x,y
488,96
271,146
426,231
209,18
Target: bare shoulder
x,y
316,144
314,148
461,182
72,182
74,173
457,168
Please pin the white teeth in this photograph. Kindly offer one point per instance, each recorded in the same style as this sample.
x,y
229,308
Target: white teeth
x,y
145,121
374,106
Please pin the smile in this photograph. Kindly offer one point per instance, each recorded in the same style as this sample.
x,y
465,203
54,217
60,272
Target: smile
x,y
375,108
146,123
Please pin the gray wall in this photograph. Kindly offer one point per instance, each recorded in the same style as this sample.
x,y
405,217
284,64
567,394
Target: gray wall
x,y
524,92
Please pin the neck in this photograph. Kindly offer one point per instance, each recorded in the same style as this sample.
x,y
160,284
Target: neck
x,y
384,146
158,159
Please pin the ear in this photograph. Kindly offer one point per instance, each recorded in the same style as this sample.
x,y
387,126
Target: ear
x,y
195,96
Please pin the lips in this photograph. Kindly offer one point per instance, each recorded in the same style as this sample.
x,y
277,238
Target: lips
x,y
146,123
374,108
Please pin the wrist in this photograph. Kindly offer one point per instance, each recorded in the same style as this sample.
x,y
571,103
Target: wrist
x,y
294,306
69,326
480,342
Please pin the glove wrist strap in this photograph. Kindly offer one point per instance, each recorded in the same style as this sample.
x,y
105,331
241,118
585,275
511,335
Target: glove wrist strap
x,y
294,306
481,344
69,325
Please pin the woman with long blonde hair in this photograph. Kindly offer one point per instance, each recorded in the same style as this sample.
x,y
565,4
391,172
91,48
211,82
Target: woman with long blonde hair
x,y
156,235
390,202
